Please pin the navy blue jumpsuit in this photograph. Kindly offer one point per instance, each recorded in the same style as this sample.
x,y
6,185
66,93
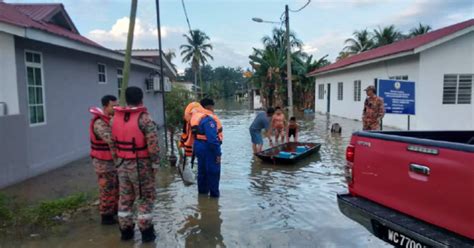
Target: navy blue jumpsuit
x,y
207,153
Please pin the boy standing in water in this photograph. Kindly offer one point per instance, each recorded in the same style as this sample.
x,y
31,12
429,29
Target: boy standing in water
x,y
293,129
278,124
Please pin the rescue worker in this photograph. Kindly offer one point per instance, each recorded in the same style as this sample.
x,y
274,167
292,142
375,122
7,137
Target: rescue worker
x,y
207,129
187,139
374,110
136,140
103,156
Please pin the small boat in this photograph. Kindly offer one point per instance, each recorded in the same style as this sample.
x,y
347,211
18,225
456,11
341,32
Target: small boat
x,y
288,153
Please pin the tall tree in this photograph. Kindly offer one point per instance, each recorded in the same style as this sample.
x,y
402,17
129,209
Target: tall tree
x,y
196,52
421,29
386,35
362,41
170,55
305,87
278,39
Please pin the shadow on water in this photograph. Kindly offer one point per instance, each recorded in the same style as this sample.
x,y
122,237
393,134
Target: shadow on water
x,y
262,205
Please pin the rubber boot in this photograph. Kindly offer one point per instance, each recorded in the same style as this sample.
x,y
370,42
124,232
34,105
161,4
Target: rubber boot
x,y
127,233
148,235
108,219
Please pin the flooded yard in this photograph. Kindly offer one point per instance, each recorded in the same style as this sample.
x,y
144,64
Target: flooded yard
x,y
261,205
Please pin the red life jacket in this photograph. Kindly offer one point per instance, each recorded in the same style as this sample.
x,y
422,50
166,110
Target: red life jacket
x,y
129,139
99,148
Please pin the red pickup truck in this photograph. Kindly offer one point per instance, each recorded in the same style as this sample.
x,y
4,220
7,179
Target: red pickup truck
x,y
412,189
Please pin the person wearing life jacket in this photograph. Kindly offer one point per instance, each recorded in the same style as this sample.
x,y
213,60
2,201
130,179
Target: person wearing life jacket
x,y
207,131
136,139
103,156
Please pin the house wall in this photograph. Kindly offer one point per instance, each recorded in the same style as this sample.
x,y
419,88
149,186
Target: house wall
x,y
71,87
353,109
453,57
8,82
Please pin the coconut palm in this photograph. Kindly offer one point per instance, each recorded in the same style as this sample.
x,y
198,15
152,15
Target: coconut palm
x,y
421,29
196,52
278,39
305,87
386,35
362,41
268,64
170,55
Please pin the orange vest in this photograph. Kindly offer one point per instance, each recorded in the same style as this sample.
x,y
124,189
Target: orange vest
x,y
196,119
187,139
129,139
99,149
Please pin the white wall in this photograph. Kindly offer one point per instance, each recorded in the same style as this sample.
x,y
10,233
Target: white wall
x,y
383,70
257,104
8,76
453,57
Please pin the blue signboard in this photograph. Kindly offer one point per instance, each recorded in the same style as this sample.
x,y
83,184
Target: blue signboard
x,y
398,96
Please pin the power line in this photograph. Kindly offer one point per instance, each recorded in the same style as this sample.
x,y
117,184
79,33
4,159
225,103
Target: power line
x,y
186,14
300,9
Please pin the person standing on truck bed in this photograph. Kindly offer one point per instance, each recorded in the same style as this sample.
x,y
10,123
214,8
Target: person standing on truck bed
x,y
373,110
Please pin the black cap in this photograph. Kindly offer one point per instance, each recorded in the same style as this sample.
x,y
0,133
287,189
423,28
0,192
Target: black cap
x,y
270,111
206,102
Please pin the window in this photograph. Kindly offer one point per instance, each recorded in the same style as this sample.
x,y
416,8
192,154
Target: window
x,y
34,75
119,80
357,90
321,91
404,77
457,89
340,88
102,73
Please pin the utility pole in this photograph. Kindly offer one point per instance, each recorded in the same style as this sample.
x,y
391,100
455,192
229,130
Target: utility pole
x,y
128,52
162,75
288,62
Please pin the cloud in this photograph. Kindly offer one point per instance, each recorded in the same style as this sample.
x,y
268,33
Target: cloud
x,y
144,34
330,43
437,13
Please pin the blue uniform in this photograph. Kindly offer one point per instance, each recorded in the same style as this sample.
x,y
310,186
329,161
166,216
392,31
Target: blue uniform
x,y
207,153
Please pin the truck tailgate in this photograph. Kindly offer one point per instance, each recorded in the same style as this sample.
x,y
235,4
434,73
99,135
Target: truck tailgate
x,y
432,184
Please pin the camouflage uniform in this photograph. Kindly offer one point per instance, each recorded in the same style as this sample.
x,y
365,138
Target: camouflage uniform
x,y
373,113
131,179
106,172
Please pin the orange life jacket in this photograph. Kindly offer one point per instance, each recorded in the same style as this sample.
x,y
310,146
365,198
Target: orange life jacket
x,y
187,139
130,140
99,148
196,119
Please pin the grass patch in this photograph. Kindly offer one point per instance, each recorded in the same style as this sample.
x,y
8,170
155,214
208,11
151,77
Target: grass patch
x,y
45,214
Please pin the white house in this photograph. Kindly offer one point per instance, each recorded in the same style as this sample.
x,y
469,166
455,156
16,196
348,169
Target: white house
x,y
441,63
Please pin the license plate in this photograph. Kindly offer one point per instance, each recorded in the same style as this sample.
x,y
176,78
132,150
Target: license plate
x,y
396,238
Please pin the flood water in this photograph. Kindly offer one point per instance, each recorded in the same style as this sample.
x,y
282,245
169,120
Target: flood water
x,y
261,205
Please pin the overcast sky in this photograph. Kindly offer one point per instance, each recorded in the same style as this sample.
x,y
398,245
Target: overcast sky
x,y
323,25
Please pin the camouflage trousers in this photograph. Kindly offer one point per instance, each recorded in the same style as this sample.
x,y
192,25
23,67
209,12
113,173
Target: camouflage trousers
x,y
136,185
371,125
108,186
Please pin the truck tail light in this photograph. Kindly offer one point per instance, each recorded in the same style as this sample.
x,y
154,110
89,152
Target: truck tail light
x,y
350,153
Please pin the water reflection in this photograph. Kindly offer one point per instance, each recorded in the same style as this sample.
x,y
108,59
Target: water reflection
x,y
203,228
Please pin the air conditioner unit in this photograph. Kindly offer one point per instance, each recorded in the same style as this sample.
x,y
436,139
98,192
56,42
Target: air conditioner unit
x,y
156,83
167,84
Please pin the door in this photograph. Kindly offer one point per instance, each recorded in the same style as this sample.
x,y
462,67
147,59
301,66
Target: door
x,y
329,99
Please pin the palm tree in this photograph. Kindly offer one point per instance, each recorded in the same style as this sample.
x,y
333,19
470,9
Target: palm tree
x,y
386,35
342,55
268,64
196,52
170,55
306,85
421,29
278,39
362,41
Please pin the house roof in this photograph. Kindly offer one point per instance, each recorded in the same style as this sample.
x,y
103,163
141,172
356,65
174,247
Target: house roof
x,y
395,48
38,16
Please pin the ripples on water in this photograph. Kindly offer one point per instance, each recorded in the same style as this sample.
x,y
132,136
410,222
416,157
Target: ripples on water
x,y
262,205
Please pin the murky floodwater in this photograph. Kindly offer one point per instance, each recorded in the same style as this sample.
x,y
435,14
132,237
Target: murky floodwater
x,y
262,205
